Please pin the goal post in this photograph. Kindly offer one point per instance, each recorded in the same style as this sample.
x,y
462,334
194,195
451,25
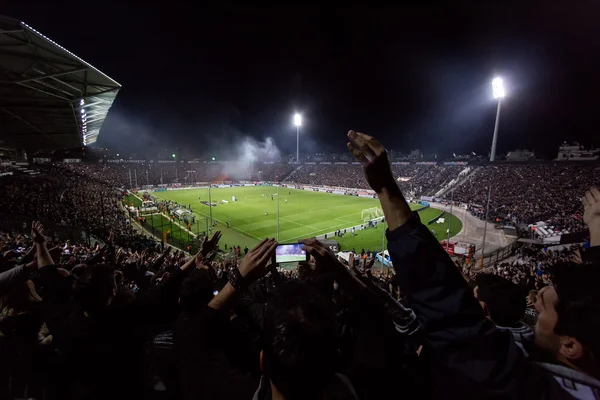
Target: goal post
x,y
369,214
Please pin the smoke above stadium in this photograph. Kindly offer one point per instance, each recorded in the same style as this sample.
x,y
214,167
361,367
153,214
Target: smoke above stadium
x,y
249,155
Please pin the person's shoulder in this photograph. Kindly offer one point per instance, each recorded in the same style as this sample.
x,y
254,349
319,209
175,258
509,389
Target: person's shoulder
x,y
547,380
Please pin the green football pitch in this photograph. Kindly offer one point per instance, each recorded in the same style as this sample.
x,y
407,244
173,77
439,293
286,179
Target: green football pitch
x,y
260,212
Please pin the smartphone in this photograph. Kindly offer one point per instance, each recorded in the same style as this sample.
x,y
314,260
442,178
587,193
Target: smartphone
x,y
290,253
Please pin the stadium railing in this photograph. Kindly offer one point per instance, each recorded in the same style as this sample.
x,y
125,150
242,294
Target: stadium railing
x,y
500,254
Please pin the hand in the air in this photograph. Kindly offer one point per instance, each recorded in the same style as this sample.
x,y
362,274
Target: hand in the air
x,y
591,204
591,214
37,232
325,260
374,160
209,245
253,265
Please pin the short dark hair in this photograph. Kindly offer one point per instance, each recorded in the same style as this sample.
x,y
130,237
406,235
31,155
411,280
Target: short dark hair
x,y
504,300
95,287
299,341
578,307
196,291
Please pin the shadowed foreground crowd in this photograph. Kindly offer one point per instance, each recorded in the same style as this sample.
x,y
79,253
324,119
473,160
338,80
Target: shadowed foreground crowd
x,y
106,322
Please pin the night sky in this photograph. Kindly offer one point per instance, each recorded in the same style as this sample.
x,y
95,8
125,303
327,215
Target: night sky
x,y
414,76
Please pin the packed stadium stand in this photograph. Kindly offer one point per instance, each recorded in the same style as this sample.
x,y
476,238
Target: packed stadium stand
x,y
530,193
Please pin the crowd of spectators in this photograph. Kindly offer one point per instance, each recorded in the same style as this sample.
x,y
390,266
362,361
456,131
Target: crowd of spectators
x,y
138,175
416,179
529,265
413,179
67,198
530,193
108,320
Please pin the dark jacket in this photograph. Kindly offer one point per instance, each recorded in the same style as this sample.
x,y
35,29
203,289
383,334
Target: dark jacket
x,y
469,356
205,368
101,351
520,333
340,388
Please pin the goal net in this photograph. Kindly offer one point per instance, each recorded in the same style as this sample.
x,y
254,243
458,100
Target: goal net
x,y
369,214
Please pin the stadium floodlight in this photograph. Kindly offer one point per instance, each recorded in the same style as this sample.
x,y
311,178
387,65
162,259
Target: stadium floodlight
x,y
173,155
498,88
213,159
297,124
297,119
499,93
82,111
81,102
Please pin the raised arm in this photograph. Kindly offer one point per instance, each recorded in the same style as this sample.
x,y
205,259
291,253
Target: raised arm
x,y
591,214
374,160
43,255
467,351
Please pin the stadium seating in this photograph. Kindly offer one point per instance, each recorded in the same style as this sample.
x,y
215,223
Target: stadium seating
x,y
529,193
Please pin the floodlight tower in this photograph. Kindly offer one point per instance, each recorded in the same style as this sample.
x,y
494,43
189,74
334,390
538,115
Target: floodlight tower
x,y
499,93
298,124
498,89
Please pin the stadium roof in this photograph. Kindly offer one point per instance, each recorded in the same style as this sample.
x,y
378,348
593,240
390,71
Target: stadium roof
x,y
49,97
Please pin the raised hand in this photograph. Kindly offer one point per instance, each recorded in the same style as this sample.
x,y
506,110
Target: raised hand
x,y
591,204
374,160
200,261
209,245
253,265
325,260
37,232
591,214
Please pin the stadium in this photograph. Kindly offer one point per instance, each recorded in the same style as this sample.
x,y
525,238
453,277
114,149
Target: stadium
x,y
157,277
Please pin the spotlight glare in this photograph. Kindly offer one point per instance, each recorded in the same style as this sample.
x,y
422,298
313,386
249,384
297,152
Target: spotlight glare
x,y
498,88
297,119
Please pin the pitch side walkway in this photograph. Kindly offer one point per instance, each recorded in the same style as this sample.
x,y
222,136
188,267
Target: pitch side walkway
x,y
472,230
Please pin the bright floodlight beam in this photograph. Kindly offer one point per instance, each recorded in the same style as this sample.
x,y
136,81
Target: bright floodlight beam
x,y
498,88
297,119
499,94
297,124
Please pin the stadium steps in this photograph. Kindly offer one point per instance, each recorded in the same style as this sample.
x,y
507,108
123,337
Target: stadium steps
x,y
461,180
291,174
